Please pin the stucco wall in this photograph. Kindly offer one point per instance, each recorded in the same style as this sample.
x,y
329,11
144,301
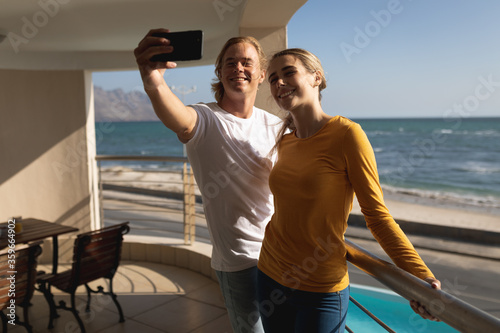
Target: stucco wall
x,y
44,147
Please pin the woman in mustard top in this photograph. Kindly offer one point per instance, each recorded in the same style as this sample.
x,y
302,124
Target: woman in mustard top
x,y
322,163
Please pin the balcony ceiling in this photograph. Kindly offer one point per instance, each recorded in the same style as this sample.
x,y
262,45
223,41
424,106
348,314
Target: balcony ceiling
x,y
101,34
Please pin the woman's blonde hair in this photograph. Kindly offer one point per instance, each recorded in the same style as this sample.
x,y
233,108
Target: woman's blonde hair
x,y
217,87
313,65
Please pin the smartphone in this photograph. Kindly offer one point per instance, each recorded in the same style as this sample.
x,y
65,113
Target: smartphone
x,y
188,45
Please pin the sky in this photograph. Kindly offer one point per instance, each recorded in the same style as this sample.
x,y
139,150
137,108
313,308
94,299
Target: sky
x,y
383,58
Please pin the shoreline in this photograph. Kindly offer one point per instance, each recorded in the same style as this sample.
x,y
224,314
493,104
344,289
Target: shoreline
x,y
402,207
456,217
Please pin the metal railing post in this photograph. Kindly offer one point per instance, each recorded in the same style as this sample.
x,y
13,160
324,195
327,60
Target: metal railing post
x,y
101,194
192,202
185,183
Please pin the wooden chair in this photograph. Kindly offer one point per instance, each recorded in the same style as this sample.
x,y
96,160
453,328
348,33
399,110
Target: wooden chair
x,y
96,255
20,265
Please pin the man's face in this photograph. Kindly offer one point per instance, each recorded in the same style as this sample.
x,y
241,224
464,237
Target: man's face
x,y
241,72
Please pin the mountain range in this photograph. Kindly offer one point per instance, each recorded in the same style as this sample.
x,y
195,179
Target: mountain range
x,y
118,105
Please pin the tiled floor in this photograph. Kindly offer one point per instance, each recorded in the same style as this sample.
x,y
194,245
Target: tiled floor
x,y
154,297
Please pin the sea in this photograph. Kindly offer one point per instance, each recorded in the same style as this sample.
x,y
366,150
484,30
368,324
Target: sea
x,y
455,162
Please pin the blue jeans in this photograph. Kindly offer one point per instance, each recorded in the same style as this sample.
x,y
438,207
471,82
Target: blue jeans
x,y
283,309
240,295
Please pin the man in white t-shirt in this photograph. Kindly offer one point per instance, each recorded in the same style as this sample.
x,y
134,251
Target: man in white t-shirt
x,y
228,145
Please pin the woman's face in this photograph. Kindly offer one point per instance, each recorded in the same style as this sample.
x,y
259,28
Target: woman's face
x,y
292,85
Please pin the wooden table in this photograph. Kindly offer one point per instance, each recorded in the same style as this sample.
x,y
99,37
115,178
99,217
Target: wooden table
x,y
34,229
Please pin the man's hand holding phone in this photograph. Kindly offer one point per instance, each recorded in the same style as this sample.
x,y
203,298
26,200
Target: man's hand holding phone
x,y
154,54
187,45
159,49
152,72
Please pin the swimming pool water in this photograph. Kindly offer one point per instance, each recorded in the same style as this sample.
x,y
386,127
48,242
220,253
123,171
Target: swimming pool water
x,y
392,309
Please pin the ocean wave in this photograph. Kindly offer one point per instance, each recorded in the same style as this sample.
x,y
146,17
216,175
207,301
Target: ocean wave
x,y
369,133
444,131
493,133
478,169
486,132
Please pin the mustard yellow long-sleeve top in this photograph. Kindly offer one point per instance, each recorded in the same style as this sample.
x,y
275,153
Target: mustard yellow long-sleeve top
x,y
314,182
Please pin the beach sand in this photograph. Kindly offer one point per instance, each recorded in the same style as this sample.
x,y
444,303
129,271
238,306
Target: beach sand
x,y
435,213
401,206
154,180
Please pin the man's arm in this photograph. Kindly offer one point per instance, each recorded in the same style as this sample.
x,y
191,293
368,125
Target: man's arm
x,y
168,107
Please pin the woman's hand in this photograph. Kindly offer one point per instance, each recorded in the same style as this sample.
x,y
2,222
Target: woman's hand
x,y
152,72
420,309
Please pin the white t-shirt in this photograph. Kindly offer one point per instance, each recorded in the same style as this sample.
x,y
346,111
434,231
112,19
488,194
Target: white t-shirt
x,y
231,165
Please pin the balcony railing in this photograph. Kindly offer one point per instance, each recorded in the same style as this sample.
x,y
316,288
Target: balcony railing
x,y
451,310
173,184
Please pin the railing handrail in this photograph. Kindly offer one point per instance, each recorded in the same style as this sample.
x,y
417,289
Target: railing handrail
x,y
451,310
141,158
188,193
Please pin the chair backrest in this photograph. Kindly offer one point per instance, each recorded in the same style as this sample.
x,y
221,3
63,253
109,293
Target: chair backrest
x,y
21,265
97,254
